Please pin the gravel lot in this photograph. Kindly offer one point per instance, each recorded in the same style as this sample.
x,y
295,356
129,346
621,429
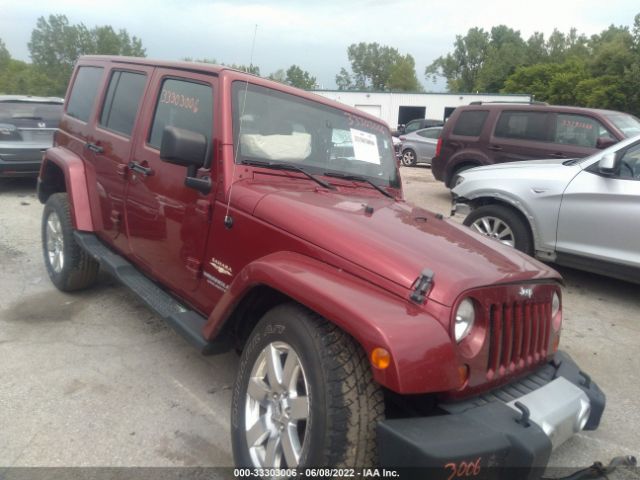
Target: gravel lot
x,y
96,379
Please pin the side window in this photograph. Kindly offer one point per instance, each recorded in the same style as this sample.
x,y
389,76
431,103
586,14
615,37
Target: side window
x,y
630,164
429,133
524,125
579,130
122,101
83,93
182,104
470,123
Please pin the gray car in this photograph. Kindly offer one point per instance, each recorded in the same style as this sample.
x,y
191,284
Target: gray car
x,y
583,213
27,125
419,146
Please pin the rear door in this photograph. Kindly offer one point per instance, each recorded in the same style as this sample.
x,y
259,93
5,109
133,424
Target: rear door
x,y
522,135
426,142
599,215
167,222
109,149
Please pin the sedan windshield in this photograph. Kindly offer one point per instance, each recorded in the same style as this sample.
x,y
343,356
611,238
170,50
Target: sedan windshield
x,y
273,126
627,124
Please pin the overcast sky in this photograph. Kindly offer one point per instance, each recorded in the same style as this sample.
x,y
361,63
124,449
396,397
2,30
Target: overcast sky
x,y
312,34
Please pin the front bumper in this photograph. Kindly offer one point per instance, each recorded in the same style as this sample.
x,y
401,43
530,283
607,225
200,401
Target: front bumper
x,y
505,434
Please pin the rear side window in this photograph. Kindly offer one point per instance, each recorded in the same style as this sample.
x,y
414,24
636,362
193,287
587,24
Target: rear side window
x,y
429,133
185,105
580,130
83,93
470,123
524,125
122,101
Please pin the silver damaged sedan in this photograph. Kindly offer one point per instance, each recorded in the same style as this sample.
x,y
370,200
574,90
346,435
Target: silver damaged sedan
x,y
582,213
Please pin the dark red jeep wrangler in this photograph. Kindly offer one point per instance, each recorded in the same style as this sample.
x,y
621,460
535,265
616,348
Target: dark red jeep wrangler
x,y
256,216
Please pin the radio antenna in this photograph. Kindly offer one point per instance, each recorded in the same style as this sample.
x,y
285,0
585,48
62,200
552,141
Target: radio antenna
x,y
228,220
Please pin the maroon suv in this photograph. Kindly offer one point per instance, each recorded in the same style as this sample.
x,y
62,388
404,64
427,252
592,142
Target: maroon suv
x,y
484,134
255,216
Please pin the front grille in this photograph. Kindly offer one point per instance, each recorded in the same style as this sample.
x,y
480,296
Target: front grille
x,y
518,336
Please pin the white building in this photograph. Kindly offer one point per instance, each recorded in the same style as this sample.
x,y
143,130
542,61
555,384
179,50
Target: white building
x,y
397,108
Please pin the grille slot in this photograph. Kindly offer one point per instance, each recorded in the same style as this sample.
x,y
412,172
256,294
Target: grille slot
x,y
518,336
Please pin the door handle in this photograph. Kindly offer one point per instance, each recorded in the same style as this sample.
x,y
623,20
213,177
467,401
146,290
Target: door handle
x,y
495,148
95,148
141,169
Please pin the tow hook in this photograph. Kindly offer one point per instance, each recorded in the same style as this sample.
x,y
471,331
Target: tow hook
x,y
598,470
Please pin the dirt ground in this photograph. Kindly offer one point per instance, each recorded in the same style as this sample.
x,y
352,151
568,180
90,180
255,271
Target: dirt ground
x,y
96,379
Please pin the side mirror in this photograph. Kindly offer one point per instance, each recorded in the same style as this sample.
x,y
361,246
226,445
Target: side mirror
x,y
605,142
183,147
607,164
186,148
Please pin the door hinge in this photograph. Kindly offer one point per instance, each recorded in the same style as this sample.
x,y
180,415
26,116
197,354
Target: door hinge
x,y
203,207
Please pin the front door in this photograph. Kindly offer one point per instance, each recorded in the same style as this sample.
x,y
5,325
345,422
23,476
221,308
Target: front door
x,y
599,214
167,222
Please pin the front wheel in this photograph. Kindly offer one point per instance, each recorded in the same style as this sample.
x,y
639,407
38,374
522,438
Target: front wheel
x,y
503,224
409,158
304,396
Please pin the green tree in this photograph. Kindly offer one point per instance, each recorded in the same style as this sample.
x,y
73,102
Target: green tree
x,y
462,67
344,80
278,76
56,44
506,51
5,57
252,69
297,77
373,66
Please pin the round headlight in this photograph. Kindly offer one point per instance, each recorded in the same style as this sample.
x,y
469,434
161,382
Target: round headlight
x,y
555,304
465,316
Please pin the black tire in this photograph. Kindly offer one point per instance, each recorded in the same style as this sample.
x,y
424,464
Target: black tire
x,y
453,181
77,270
344,404
521,232
409,158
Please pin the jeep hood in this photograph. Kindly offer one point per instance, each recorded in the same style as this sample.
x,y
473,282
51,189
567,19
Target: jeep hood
x,y
397,241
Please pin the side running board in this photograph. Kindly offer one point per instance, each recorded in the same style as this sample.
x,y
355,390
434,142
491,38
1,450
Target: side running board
x,y
186,322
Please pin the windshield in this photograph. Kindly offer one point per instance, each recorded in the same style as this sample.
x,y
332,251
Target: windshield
x,y
627,124
279,127
30,114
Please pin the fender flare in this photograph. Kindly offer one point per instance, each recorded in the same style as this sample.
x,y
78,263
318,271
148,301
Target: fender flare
x,y
75,180
423,356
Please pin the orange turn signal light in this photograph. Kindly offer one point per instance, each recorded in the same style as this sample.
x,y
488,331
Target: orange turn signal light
x,y
463,374
380,358
556,343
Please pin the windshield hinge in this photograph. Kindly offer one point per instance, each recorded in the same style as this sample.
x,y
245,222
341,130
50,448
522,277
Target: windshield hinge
x,y
422,286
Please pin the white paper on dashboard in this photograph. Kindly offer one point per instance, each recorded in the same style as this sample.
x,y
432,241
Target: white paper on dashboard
x,y
365,146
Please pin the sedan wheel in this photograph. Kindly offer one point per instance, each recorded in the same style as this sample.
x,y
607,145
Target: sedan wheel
x,y
409,158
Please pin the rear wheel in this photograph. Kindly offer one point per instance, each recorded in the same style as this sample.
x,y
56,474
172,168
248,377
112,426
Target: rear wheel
x,y
409,158
69,267
304,395
503,224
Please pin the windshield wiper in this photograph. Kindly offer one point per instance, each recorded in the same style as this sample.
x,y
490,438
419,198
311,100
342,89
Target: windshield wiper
x,y
357,178
289,167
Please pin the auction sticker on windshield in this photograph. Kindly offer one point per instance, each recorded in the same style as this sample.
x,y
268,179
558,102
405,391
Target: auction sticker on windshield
x,y
365,146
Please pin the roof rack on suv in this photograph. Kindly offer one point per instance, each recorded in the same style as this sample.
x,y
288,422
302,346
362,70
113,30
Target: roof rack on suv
x,y
531,102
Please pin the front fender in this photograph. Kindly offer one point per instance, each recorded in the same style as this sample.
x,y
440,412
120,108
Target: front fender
x,y
423,357
75,182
